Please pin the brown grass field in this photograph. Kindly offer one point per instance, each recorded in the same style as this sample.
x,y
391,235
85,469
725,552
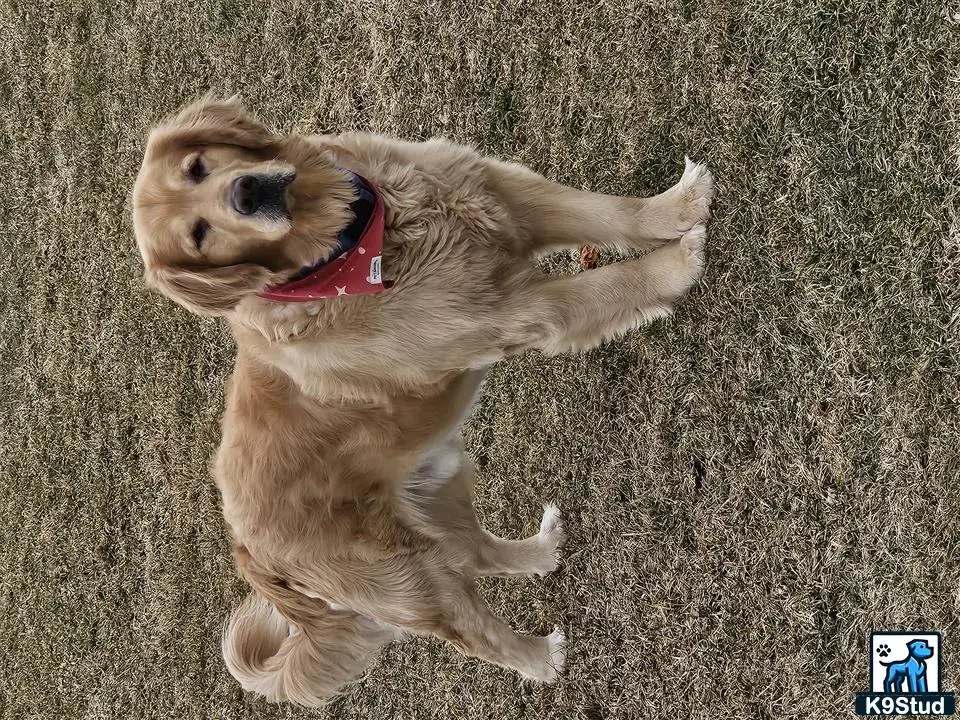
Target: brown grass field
x,y
751,487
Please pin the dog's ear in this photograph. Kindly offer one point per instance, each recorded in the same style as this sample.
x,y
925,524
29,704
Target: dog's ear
x,y
209,291
212,121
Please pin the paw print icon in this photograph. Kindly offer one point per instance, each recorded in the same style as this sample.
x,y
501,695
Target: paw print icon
x,y
883,650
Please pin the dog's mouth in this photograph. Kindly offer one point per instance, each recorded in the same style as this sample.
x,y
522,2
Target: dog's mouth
x,y
262,196
353,265
363,208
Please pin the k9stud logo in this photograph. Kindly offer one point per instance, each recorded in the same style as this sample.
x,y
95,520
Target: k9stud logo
x,y
905,676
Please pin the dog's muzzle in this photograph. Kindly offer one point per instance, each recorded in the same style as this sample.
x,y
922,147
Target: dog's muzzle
x,y
261,195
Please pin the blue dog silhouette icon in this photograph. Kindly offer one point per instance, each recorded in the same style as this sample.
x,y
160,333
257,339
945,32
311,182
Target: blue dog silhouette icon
x,y
912,668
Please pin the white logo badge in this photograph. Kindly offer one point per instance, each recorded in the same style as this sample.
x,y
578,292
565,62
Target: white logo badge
x,y
374,270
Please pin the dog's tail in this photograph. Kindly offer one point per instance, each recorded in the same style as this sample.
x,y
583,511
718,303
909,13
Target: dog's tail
x,y
297,648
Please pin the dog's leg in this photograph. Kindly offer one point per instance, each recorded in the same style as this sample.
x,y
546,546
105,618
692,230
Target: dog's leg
x,y
914,671
889,682
477,632
414,593
579,312
537,555
437,500
555,216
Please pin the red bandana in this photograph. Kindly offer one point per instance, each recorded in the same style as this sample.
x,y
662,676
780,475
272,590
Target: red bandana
x,y
354,272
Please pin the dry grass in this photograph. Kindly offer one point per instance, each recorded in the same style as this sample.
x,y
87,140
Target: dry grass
x,y
751,487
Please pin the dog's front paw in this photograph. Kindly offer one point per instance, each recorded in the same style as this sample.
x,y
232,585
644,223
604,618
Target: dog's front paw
x,y
694,193
550,539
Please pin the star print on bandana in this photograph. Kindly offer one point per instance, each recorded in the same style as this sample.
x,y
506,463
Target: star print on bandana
x,y
355,271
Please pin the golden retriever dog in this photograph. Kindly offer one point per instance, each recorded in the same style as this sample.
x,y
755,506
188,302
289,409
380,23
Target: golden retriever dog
x,y
344,481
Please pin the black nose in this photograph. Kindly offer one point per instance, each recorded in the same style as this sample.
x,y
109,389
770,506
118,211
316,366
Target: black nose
x,y
246,194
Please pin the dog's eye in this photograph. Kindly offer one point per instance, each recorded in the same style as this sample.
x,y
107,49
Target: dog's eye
x,y
197,171
200,232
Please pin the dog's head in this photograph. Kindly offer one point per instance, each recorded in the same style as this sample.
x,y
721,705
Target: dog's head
x,y
920,649
223,208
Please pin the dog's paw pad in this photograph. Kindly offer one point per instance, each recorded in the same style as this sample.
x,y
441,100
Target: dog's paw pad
x,y
883,650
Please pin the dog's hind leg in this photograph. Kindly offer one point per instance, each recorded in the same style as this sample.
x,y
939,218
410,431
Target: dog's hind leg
x,y
474,630
438,501
558,315
893,680
551,216
415,594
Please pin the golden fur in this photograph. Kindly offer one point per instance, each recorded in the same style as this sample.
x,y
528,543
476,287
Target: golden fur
x,y
344,483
